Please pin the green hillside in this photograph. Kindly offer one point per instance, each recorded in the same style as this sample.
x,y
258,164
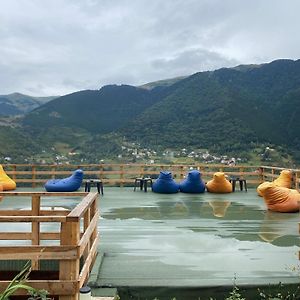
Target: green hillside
x,y
100,111
17,145
226,110
231,111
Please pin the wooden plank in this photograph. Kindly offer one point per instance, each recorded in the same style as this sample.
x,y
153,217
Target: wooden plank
x,y
88,233
43,194
27,236
69,269
54,212
86,223
271,175
15,212
15,235
29,219
83,276
50,235
42,252
81,208
54,287
35,228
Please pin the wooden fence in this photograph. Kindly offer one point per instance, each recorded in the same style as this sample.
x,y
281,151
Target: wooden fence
x,y
268,173
123,174
73,247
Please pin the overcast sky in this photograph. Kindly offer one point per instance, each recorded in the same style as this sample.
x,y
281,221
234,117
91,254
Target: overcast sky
x,y
54,47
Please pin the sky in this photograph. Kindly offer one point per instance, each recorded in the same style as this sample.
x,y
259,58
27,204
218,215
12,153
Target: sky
x,y
56,47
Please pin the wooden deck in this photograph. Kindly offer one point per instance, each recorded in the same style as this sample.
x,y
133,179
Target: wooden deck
x,y
73,246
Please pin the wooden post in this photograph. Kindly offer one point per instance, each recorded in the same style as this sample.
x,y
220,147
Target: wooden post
x,y
181,172
142,171
295,179
69,269
33,175
261,174
101,171
14,172
242,173
121,175
35,227
272,172
94,208
53,173
86,223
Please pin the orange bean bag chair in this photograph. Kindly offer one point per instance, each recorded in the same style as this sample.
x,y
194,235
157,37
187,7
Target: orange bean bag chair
x,y
284,180
219,184
6,182
280,199
261,187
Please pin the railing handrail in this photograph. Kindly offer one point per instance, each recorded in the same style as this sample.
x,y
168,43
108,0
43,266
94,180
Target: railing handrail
x,y
81,208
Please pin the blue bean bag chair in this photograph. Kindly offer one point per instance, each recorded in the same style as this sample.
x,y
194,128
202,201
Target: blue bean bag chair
x,y
69,184
193,183
165,184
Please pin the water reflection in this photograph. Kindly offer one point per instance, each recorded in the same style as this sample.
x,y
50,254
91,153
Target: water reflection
x,y
124,213
279,228
219,207
188,208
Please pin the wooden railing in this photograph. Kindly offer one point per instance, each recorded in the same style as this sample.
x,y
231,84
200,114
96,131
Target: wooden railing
x,y
123,174
268,173
73,246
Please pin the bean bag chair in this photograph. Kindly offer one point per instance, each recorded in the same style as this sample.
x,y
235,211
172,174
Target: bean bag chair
x,y
69,184
284,180
219,184
280,199
6,182
261,187
165,184
193,183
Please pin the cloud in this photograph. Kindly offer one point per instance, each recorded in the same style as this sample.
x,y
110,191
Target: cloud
x,y
191,61
59,46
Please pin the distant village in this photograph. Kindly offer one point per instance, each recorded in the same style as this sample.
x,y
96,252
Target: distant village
x,y
133,152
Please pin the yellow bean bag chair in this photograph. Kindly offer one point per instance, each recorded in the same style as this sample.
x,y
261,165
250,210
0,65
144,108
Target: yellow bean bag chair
x,y
280,199
284,180
219,184
6,182
261,187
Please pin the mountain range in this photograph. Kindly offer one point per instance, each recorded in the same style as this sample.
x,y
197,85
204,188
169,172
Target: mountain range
x,y
227,111
17,104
